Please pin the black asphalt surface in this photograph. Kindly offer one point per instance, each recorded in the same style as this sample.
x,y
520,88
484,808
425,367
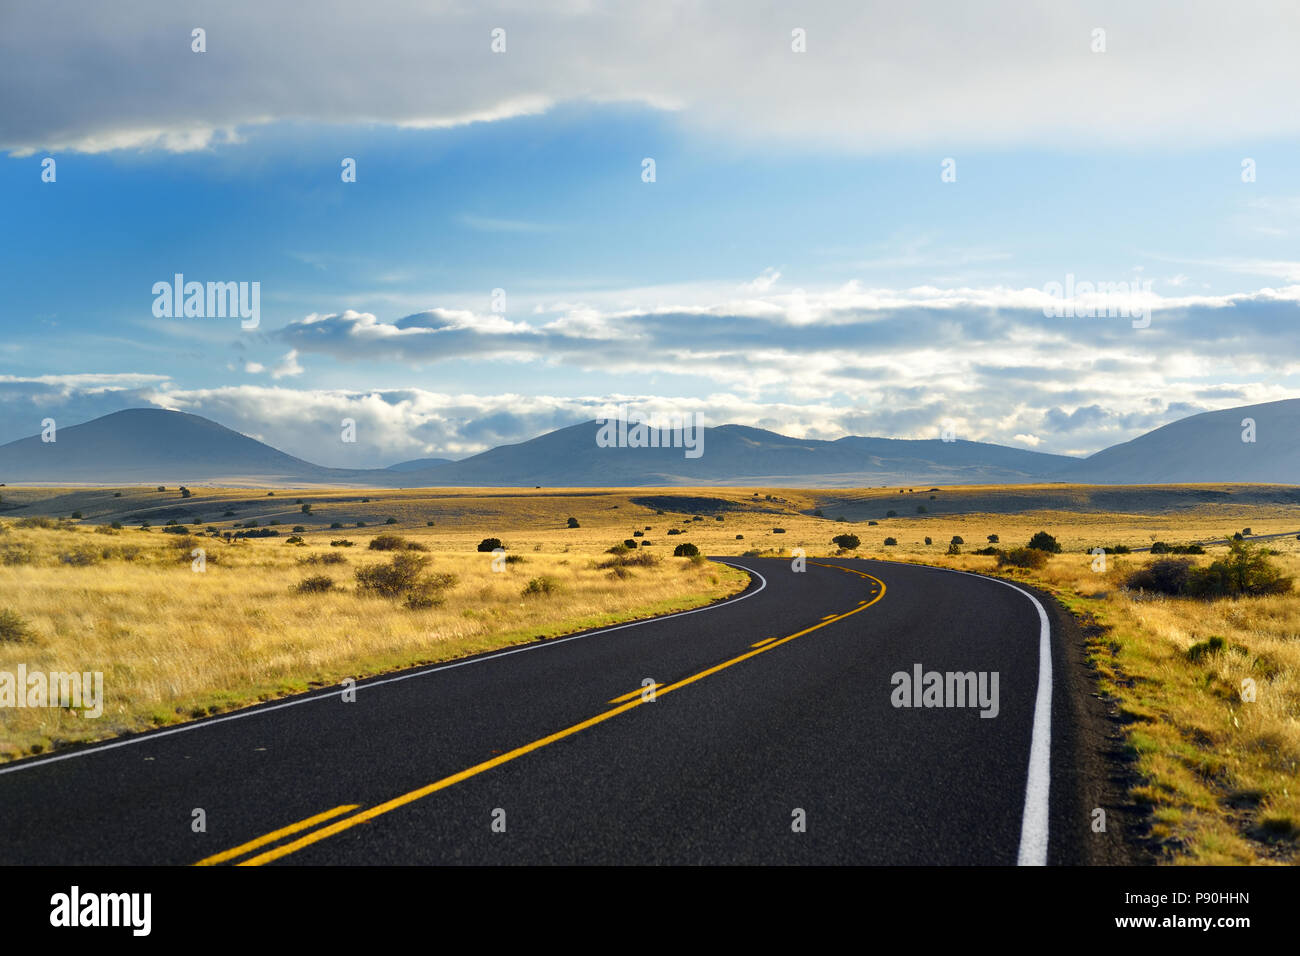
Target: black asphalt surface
x,y
710,772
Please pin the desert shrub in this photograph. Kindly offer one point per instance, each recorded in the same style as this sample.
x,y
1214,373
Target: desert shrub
x,y
1022,558
359,524
685,550
162,487
1165,576
1198,652
1042,541
277,521
954,547
428,592
717,517
629,543
1189,549
185,492
404,576
740,537
306,509
1160,547
639,559
928,541
13,629
294,539
958,539
872,523
674,531
76,515
37,521
1245,572
335,524
299,528
114,528
890,542
175,529
1245,531
986,552
329,557
619,572
515,559
540,586
778,530
849,542
639,534
617,549
395,578
490,544
315,584
341,543
993,539
81,557
391,521
891,514
387,542
573,523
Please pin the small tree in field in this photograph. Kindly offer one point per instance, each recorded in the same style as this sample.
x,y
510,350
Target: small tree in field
x,y
573,523
849,542
1043,541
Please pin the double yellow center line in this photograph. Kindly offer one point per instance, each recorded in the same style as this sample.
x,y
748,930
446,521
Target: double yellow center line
x,y
365,816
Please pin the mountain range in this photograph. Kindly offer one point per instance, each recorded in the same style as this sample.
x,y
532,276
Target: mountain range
x,y
1256,443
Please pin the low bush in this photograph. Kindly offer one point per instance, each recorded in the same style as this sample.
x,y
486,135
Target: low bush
x,y
490,544
1022,558
1042,541
849,542
315,584
541,586
13,629
685,550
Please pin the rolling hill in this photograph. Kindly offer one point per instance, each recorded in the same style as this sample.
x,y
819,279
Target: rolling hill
x,y
146,445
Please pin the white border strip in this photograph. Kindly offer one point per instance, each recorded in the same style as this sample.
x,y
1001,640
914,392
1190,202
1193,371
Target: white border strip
x,y
256,710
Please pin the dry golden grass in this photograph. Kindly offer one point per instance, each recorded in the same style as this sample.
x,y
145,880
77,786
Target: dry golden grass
x,y
174,644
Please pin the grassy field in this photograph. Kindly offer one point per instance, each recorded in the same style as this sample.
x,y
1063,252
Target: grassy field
x,y
1218,774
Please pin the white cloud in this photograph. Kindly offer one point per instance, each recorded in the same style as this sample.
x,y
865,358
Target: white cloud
x,y
874,77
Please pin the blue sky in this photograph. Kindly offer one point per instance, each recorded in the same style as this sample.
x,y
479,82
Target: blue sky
x,y
798,262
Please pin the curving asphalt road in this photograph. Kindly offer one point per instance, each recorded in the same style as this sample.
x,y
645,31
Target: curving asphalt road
x,y
772,738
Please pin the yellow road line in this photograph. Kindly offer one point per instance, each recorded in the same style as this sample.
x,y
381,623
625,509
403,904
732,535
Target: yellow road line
x,y
276,835
380,809
636,693
766,640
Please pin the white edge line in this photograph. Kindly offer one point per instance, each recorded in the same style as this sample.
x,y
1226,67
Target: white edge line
x,y
1034,821
255,710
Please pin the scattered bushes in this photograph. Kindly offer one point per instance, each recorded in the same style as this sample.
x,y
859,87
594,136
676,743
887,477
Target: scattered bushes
x,y
1244,572
329,557
1164,547
641,559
